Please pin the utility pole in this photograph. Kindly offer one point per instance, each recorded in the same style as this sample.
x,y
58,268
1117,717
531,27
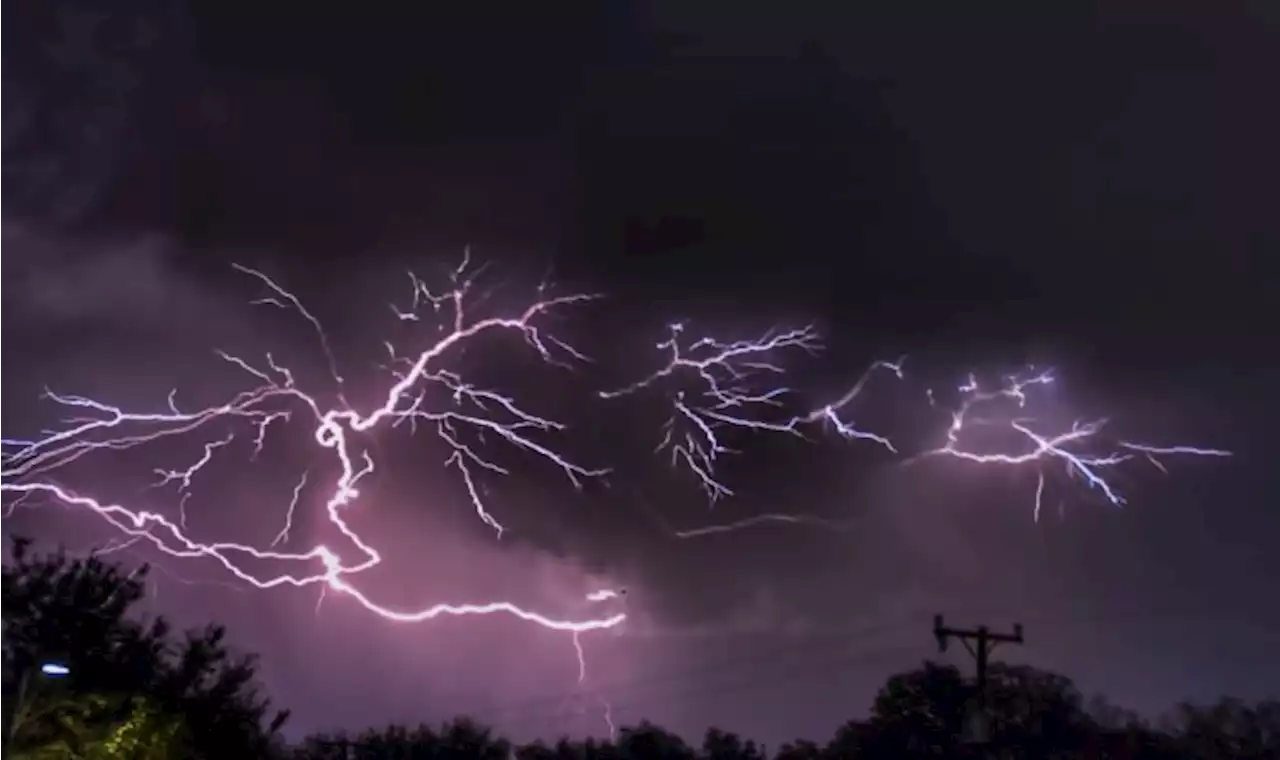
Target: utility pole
x,y
983,641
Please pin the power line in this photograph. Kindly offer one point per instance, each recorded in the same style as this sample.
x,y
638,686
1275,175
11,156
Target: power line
x,y
786,662
710,667
829,654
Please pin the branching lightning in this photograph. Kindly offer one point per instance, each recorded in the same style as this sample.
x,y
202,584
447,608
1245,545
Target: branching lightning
x,y
31,467
726,399
1079,449
720,388
606,707
737,386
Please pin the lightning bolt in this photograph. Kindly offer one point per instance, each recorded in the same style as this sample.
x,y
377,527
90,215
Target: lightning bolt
x,y
274,398
606,707
720,387
1079,448
765,519
736,386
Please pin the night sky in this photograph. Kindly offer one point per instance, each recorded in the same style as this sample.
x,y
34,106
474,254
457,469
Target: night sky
x,y
977,190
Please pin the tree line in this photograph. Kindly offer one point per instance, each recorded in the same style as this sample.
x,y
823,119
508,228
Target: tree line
x,y
85,679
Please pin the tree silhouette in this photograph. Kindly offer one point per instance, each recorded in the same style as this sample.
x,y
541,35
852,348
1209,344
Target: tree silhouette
x,y
71,612
135,691
917,714
1228,728
719,745
128,692
1036,713
460,739
924,713
650,741
218,698
801,749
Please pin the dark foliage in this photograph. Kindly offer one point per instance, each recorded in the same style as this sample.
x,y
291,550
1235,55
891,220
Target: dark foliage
x,y
1035,715
132,691
125,676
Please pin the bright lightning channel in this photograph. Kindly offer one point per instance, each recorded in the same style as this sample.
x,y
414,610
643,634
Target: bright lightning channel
x,y
738,387
1080,449
31,467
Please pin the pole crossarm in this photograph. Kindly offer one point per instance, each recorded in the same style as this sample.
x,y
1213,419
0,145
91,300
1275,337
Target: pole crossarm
x,y
979,641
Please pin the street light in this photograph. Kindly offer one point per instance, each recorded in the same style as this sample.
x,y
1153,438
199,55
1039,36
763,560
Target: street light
x,y
14,706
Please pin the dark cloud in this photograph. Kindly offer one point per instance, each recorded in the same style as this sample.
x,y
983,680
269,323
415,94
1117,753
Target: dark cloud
x,y
968,192
82,86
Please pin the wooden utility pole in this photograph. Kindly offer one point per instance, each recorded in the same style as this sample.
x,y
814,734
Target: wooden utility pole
x,y
983,641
